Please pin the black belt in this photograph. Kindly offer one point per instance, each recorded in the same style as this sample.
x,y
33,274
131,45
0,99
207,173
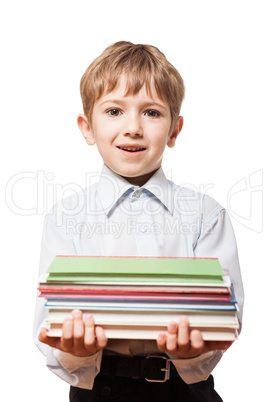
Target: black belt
x,y
150,368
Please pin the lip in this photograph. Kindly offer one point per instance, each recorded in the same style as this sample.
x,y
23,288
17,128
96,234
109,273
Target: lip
x,y
131,150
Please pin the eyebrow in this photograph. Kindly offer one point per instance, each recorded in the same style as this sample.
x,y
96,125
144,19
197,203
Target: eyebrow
x,y
145,104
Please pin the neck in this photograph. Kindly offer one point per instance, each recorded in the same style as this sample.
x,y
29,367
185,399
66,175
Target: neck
x,y
140,180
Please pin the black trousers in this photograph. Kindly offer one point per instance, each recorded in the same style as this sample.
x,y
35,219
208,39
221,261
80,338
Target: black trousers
x,y
119,389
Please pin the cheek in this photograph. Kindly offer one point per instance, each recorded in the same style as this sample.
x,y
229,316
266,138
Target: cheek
x,y
160,138
160,130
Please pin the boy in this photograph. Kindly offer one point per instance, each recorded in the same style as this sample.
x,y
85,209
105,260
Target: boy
x,y
131,98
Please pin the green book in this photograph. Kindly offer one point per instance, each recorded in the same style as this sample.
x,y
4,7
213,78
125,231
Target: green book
x,y
155,269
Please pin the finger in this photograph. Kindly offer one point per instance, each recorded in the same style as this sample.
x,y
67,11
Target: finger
x,y
161,342
183,336
67,335
172,337
89,336
43,335
78,331
196,342
101,338
48,340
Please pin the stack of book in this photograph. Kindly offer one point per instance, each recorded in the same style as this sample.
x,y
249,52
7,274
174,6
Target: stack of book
x,y
137,297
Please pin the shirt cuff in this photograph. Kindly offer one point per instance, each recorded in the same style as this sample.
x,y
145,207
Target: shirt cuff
x,y
197,368
83,370
72,363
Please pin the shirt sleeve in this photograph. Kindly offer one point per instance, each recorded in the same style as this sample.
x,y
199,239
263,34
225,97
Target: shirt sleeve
x,y
77,371
216,239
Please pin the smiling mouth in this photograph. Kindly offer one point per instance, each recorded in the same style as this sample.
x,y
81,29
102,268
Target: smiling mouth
x,y
131,149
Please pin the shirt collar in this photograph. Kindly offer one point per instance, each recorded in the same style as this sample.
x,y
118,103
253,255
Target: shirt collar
x,y
111,187
161,188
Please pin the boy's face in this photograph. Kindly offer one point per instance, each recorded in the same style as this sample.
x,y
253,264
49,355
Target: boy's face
x,y
131,132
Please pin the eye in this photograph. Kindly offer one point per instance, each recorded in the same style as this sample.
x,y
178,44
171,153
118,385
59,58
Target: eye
x,y
152,113
114,112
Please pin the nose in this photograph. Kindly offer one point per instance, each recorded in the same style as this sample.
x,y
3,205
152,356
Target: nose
x,y
133,126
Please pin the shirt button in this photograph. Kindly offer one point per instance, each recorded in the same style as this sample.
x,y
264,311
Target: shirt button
x,y
106,391
137,193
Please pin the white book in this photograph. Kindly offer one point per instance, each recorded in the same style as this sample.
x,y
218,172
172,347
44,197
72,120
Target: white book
x,y
149,318
195,285
151,332
101,305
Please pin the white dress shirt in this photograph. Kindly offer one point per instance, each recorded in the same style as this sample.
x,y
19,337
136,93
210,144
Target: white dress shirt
x,y
114,218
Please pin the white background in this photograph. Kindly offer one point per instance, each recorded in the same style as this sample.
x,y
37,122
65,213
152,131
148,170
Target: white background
x,y
220,49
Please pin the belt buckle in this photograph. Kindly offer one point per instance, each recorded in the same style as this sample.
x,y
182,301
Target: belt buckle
x,y
165,369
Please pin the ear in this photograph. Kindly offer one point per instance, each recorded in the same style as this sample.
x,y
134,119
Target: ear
x,y
175,133
84,127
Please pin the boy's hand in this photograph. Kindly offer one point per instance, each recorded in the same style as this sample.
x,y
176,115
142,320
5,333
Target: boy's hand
x,y
183,342
80,338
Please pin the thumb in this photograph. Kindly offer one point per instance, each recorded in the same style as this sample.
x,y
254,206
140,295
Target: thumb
x,y
48,340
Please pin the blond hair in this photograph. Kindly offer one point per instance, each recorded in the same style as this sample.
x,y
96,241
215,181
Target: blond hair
x,y
143,65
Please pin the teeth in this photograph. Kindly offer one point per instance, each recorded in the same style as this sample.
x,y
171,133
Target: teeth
x,y
131,149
